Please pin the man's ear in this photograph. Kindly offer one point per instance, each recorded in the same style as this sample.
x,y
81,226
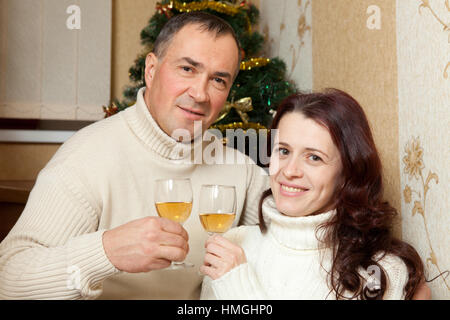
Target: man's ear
x,y
151,62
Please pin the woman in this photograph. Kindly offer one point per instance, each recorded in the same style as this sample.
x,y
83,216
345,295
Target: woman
x,y
329,235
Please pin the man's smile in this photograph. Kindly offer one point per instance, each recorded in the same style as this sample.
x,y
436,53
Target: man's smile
x,y
191,114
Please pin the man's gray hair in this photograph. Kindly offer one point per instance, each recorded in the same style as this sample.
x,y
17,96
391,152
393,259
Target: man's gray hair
x,y
205,21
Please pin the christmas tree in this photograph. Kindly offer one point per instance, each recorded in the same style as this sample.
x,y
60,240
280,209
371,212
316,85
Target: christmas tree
x,y
260,85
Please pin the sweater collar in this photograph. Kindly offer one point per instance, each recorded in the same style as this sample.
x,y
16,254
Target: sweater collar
x,y
297,233
149,132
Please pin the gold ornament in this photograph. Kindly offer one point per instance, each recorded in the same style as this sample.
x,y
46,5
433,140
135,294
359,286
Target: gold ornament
x,y
254,63
165,9
242,106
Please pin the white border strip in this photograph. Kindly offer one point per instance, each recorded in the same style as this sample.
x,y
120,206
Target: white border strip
x,y
35,136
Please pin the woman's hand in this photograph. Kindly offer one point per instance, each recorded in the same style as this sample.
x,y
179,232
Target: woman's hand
x,y
221,256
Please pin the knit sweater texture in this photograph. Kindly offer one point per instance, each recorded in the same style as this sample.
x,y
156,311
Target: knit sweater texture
x,y
291,261
99,179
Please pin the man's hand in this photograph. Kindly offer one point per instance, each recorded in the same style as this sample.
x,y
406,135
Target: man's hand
x,y
146,244
221,256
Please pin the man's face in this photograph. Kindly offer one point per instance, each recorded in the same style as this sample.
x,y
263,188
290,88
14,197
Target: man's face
x,y
192,80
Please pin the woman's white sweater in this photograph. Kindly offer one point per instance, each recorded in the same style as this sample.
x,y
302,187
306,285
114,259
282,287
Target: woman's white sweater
x,y
289,262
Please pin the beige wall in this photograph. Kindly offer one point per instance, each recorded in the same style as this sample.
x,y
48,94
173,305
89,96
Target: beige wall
x,y
424,140
129,18
349,56
288,34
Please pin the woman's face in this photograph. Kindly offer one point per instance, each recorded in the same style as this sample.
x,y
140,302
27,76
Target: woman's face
x,y
305,167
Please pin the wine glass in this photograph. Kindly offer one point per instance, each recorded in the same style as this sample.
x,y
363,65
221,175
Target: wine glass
x,y
173,200
217,208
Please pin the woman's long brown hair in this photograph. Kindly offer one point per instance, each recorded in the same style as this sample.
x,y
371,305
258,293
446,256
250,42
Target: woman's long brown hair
x,y
362,226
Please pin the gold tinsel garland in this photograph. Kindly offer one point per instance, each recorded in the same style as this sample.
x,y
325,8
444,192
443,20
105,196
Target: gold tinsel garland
x,y
238,125
235,126
222,7
219,6
254,63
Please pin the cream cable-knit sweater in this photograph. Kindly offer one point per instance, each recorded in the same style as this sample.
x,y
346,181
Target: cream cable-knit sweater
x,y
102,178
285,262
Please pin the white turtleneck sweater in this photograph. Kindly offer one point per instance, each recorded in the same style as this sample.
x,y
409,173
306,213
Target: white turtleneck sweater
x,y
285,263
99,179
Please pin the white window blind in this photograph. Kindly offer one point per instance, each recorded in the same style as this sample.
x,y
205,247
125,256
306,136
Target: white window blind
x,y
49,71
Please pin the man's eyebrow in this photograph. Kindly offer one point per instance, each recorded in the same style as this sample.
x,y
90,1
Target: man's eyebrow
x,y
201,66
193,62
222,74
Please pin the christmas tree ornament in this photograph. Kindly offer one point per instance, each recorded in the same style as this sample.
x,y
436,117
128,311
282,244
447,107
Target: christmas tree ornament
x,y
165,9
242,106
110,110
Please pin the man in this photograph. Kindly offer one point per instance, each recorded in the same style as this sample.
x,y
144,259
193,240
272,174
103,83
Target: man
x,y
90,228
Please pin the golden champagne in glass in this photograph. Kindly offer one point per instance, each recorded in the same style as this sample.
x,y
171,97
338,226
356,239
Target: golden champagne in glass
x,y
217,222
217,206
175,211
173,200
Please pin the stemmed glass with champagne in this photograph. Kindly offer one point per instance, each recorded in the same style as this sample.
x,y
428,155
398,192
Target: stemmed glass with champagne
x,y
217,207
173,200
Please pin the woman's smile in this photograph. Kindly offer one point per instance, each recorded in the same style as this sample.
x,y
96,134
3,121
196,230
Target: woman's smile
x,y
289,190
